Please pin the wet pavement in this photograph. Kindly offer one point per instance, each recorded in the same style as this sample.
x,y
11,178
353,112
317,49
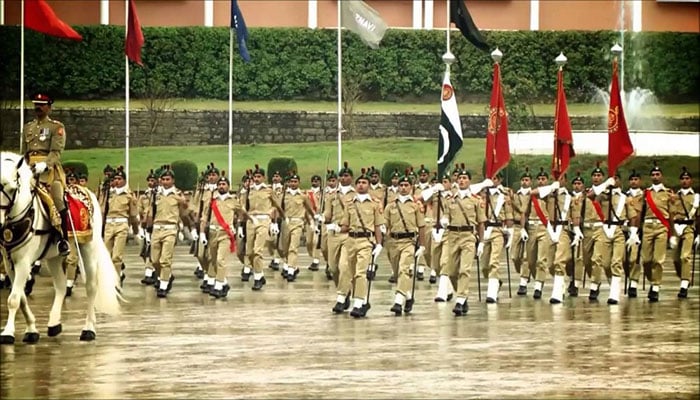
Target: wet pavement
x,y
284,342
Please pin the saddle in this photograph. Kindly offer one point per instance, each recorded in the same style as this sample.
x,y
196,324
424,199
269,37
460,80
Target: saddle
x,y
81,212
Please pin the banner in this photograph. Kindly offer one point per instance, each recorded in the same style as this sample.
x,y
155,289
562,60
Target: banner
x,y
362,19
450,140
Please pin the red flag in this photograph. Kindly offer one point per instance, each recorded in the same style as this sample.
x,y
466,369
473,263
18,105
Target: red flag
x,y
39,16
563,138
134,36
497,148
619,143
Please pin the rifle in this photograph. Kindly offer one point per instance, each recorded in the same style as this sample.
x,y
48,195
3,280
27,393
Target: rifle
x,y
194,247
641,233
281,221
322,204
208,221
149,228
105,188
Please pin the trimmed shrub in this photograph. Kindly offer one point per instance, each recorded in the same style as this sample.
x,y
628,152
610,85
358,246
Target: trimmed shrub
x,y
284,165
185,174
390,166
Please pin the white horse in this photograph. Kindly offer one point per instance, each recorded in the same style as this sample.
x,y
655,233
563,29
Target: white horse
x,y
26,236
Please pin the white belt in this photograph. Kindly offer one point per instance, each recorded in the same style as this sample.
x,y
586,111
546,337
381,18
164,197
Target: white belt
x,y
117,220
652,221
260,216
164,227
534,222
216,228
592,224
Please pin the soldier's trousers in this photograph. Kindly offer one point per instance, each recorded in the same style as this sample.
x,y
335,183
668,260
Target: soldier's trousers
x,y
439,254
583,259
654,251
291,239
256,240
427,241
608,256
312,241
683,254
70,263
562,254
461,248
491,258
405,249
359,256
162,245
240,247
203,258
219,249
392,255
518,253
115,241
337,260
539,250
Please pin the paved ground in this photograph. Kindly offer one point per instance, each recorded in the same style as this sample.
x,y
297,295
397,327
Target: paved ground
x,y
284,342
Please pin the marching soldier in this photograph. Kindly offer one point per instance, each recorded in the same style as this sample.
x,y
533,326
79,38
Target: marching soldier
x,y
686,223
70,263
298,211
361,220
563,209
144,206
423,184
440,254
82,180
405,224
246,271
656,213
392,192
121,213
218,236
464,219
497,235
170,208
521,204
203,214
636,196
261,205
271,243
42,142
376,189
329,193
315,196
610,248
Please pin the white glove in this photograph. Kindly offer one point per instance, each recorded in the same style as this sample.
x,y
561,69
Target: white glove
x,y
316,229
318,218
40,167
382,229
509,242
334,228
377,250
147,237
194,234
610,182
480,249
523,235
633,238
673,242
437,234
552,233
487,183
438,187
578,235
240,233
142,234
696,242
420,251
203,240
444,222
180,236
274,228
555,185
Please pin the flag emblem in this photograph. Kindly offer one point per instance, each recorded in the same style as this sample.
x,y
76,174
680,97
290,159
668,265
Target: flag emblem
x,y
447,92
613,119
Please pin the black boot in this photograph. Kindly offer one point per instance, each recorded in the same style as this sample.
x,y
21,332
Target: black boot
x,y
63,246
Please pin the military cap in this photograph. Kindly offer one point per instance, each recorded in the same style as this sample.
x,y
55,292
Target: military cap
x,y
363,175
107,169
542,173
222,177
330,174
634,174
655,168
151,175
597,169
41,98
423,170
292,175
526,174
577,178
258,171
211,169
277,173
316,177
684,173
445,175
119,173
248,175
70,173
373,171
395,174
82,175
462,170
167,171
345,170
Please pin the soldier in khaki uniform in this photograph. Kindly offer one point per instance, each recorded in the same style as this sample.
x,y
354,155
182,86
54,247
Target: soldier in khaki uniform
x,y
42,142
70,263
121,213
199,207
376,189
439,248
337,241
144,206
246,271
521,205
418,188
218,237
635,194
563,209
464,219
405,223
170,207
271,243
392,192
329,192
262,206
686,223
298,211
313,247
361,220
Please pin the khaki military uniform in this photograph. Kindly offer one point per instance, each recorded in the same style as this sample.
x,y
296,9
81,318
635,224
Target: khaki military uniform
x,y
261,202
144,206
404,221
204,197
241,241
392,193
378,193
635,196
312,247
466,216
499,214
271,242
655,234
361,217
219,238
337,250
520,204
438,249
418,189
592,232
539,244
685,225
609,250
329,193
296,208
122,212
170,209
564,209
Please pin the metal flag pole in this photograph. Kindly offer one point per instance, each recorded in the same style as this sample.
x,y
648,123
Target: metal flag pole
x,y
126,93
230,101
340,88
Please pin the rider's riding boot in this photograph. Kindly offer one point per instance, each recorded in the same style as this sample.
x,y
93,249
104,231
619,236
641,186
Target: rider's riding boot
x,y
63,247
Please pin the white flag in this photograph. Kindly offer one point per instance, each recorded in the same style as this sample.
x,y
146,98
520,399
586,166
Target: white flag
x,y
362,19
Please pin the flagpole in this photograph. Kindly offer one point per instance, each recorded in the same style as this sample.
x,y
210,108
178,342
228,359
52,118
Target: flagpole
x,y
126,93
21,77
230,101
340,90
447,29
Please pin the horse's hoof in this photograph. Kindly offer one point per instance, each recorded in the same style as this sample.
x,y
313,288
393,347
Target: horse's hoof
x,y
7,339
87,336
55,330
31,337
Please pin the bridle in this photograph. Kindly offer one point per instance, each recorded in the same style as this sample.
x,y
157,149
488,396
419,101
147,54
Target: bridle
x,y
11,203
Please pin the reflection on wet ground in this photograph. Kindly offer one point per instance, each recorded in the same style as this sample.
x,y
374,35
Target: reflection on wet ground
x,y
284,342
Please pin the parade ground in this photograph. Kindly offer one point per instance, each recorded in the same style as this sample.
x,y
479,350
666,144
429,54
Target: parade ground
x,y
284,342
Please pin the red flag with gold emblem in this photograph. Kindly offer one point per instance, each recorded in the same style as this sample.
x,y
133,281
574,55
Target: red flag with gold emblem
x,y
134,36
619,143
497,147
563,137
39,16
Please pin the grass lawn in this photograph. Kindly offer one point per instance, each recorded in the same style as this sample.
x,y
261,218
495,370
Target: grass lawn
x,y
575,109
311,158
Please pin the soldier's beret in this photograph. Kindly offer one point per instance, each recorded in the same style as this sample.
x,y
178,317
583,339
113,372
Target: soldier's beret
x,y
346,170
277,173
258,170
293,175
119,173
108,169
211,169
316,178
597,170
167,171
423,170
542,173
405,177
577,178
363,176
684,173
151,175
655,168
223,178
395,174
330,174
462,170
82,175
41,98
71,174
373,171
634,174
526,174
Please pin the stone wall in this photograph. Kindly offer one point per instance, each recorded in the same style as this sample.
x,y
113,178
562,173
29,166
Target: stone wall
x,y
105,128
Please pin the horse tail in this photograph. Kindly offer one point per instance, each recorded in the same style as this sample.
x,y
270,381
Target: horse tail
x,y
108,296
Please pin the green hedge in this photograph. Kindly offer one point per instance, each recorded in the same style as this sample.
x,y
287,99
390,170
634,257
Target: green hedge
x,y
300,63
285,165
78,167
185,174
